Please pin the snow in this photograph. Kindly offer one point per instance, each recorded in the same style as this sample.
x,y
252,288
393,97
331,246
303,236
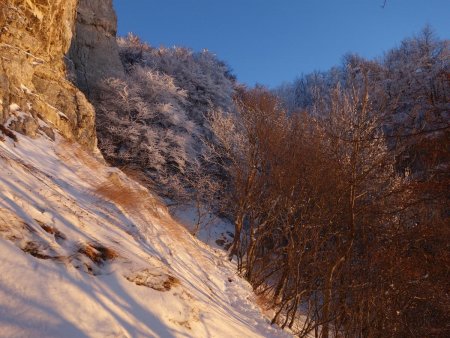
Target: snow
x,y
217,232
13,107
57,204
61,114
25,89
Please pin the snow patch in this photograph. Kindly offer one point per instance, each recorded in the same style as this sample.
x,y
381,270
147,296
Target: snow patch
x,y
13,107
77,264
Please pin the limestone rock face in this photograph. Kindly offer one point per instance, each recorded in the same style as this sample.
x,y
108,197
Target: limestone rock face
x,y
35,36
94,52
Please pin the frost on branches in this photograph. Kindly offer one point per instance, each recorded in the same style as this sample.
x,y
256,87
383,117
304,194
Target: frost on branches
x,y
155,120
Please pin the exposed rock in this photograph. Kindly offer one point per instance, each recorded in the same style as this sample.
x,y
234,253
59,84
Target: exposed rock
x,y
34,37
94,53
25,124
156,280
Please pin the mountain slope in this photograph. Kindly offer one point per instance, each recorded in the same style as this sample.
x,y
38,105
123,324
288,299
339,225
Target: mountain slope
x,y
88,252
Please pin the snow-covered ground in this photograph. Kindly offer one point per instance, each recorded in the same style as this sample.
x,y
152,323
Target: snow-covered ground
x,y
87,252
210,229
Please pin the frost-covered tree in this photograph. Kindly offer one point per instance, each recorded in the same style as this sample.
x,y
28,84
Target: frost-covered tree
x,y
141,124
374,275
207,81
156,119
408,81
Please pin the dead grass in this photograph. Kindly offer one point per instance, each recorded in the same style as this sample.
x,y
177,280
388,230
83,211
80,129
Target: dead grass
x,y
72,150
170,282
116,191
141,178
97,253
37,250
137,176
263,301
34,250
52,230
114,188
184,323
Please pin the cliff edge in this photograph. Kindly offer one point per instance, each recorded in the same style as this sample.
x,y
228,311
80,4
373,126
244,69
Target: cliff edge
x,y
94,53
36,94
34,91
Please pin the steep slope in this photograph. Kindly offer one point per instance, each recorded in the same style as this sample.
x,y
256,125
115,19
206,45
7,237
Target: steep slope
x,y
86,251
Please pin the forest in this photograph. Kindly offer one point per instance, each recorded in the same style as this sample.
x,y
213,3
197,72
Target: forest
x,y
337,183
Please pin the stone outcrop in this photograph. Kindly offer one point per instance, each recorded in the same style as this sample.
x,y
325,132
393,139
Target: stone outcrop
x,y
94,52
35,36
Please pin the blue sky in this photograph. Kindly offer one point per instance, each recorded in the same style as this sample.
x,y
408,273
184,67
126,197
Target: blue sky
x,y
272,41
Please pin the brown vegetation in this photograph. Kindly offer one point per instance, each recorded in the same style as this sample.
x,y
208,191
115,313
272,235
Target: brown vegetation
x,y
52,230
97,253
35,250
326,227
116,191
70,150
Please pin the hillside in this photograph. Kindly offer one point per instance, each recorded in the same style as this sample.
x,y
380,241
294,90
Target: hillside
x,y
148,191
86,251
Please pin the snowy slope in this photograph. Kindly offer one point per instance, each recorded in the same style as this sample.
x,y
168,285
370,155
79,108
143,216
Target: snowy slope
x,y
87,252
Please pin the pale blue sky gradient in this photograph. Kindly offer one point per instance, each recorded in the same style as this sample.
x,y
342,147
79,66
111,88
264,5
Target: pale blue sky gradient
x,y
272,41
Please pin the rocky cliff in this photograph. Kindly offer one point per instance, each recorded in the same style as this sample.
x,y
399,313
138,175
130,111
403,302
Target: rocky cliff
x,y
94,54
35,37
